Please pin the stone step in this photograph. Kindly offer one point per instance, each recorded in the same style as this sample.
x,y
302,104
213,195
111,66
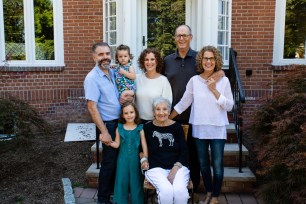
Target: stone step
x,y
231,133
233,182
231,137
231,154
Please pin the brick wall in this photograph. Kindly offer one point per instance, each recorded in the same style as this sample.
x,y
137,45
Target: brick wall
x,y
252,38
56,93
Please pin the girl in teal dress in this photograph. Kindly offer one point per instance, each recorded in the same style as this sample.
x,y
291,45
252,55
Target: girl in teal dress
x,y
129,136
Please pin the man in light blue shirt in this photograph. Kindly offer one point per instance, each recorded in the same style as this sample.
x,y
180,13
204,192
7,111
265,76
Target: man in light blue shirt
x,y
103,105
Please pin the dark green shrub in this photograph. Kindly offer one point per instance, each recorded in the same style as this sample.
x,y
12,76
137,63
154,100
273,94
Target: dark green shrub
x,y
279,126
19,118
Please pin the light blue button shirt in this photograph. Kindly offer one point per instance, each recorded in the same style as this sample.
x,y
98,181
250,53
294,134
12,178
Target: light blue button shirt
x,y
103,90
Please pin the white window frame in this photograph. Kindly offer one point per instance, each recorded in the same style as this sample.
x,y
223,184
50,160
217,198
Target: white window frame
x,y
30,37
107,25
201,15
279,35
129,26
227,31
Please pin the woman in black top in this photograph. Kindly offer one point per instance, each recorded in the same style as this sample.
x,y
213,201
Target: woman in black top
x,y
168,154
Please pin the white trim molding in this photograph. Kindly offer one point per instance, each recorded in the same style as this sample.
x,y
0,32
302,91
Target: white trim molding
x,y
279,36
29,32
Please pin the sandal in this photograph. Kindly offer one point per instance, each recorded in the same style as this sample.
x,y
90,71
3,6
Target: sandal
x,y
206,200
214,200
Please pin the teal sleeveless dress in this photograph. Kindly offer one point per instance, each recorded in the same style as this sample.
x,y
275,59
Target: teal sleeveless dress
x,y
128,173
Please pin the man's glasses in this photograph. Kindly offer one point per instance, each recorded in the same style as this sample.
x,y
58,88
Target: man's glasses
x,y
181,36
212,59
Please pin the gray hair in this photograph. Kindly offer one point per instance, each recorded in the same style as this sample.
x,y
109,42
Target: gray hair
x,y
184,25
160,100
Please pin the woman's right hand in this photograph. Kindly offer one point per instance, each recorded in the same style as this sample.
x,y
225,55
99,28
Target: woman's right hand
x,y
172,174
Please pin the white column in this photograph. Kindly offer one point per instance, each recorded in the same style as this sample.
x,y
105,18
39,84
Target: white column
x,y
130,25
201,16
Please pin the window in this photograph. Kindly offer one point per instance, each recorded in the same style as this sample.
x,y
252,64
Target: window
x,y
31,33
210,21
224,9
289,32
110,24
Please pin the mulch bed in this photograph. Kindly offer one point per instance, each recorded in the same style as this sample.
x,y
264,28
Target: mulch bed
x,y
31,171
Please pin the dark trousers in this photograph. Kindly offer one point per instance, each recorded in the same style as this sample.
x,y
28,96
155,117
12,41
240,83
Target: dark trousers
x,y
194,165
108,167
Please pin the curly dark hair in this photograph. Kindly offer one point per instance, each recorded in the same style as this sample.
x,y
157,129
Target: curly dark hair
x,y
123,47
158,57
137,118
217,55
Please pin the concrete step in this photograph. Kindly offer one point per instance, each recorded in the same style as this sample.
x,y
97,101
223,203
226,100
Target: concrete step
x,y
233,182
236,182
231,154
231,133
231,137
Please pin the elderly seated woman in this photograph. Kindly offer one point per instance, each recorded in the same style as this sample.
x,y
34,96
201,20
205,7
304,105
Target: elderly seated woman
x,y
168,154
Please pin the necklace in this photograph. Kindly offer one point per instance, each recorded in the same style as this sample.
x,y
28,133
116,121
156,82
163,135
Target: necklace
x,y
152,76
162,124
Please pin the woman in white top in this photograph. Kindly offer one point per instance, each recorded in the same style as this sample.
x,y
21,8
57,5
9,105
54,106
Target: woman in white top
x,y
150,84
210,102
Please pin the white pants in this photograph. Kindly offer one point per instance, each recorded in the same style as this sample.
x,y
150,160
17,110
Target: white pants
x,y
168,193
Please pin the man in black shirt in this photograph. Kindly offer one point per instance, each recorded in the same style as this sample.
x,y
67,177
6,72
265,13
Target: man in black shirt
x,y
180,66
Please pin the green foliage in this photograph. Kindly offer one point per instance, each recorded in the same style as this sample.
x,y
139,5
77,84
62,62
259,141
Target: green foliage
x,y
279,126
163,17
45,51
18,117
15,29
295,28
19,198
43,16
13,21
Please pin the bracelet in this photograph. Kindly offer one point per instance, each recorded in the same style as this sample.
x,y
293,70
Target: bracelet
x,y
143,159
178,164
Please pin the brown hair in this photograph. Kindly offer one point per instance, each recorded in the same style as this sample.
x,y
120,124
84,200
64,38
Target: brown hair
x,y
217,55
125,48
137,118
158,57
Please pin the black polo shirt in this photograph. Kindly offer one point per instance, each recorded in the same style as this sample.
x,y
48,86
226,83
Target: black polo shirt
x,y
178,71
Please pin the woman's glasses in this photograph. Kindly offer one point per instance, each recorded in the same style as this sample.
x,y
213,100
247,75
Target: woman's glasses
x,y
212,59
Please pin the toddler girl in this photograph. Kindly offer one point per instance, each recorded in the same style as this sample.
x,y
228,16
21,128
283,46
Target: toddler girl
x,y
129,136
125,72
